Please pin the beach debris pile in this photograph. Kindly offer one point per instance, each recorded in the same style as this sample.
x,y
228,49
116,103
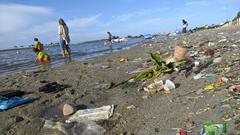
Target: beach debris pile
x,y
201,61
85,120
158,67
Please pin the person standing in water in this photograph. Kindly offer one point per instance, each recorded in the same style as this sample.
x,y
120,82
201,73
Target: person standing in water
x,y
185,24
109,42
63,33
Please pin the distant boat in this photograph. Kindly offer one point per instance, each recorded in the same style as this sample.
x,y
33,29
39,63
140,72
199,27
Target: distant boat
x,y
118,40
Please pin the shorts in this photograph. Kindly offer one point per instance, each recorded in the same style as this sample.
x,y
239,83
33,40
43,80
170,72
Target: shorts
x,y
63,45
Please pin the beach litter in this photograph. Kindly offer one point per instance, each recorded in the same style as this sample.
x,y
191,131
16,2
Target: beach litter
x,y
11,93
209,87
234,88
209,53
55,125
102,113
154,87
159,68
68,109
123,60
53,87
130,107
180,53
217,60
214,129
106,66
180,131
7,103
222,40
75,128
169,85
159,85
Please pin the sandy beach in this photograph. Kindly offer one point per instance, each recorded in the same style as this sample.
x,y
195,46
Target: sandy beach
x,y
87,84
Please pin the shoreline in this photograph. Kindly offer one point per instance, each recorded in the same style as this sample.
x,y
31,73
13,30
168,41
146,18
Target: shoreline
x,y
24,61
87,84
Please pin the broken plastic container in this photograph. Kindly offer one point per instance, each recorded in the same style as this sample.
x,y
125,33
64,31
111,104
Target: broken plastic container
x,y
169,85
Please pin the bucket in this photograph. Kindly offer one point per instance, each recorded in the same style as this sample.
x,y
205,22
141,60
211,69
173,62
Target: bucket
x,y
180,53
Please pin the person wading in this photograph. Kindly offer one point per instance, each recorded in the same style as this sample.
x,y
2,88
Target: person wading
x,y
63,33
109,41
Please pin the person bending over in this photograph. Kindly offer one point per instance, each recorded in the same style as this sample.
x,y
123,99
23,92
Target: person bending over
x,y
42,56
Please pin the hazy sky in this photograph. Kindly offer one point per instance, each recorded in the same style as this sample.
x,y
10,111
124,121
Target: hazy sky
x,y
22,20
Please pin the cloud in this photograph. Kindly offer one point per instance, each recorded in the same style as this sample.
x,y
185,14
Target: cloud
x,y
151,25
16,16
21,23
125,17
197,3
84,22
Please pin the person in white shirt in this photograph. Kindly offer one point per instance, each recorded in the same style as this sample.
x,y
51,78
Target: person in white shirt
x,y
63,33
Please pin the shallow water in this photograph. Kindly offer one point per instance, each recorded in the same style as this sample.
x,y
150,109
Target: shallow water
x,y
12,62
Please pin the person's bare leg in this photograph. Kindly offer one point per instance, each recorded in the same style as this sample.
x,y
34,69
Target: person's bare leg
x,y
63,54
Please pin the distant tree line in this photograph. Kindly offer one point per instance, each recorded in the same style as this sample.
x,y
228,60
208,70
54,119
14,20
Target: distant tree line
x,y
238,16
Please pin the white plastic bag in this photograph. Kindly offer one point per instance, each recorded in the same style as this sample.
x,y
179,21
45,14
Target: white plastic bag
x,y
102,113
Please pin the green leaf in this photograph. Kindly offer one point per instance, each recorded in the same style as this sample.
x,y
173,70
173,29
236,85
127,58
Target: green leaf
x,y
157,58
178,63
144,75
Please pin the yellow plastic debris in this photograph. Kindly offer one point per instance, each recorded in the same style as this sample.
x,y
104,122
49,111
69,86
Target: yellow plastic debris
x,y
209,87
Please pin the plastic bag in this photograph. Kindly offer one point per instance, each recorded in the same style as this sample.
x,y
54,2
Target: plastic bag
x,y
102,113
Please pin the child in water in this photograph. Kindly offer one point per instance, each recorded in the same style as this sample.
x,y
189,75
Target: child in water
x,y
42,56
38,44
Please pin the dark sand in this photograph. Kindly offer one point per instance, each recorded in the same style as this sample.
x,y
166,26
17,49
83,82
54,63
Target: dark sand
x,y
85,84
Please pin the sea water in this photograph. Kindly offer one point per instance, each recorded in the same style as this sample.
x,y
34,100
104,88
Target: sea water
x,y
18,60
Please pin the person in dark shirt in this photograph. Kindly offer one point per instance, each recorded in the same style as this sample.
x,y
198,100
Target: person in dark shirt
x,y
185,24
109,42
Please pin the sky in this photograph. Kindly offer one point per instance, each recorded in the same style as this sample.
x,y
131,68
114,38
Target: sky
x,y
22,20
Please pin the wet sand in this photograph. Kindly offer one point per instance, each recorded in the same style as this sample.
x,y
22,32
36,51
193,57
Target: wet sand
x,y
86,84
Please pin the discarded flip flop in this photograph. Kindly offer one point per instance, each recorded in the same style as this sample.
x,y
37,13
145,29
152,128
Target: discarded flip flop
x,y
6,103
